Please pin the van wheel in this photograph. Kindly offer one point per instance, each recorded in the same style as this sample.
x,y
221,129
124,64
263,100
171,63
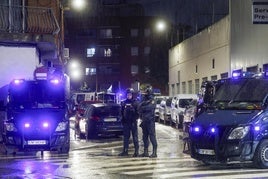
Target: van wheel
x,y
10,150
261,155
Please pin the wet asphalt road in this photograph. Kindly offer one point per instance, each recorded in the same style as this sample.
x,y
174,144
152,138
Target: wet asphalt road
x,y
99,159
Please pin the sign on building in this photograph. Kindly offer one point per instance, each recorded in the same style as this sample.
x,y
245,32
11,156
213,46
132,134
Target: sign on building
x,y
260,12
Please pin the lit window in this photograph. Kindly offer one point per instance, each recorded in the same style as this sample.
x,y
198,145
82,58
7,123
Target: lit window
x,y
107,52
90,71
91,52
147,50
134,32
134,51
147,32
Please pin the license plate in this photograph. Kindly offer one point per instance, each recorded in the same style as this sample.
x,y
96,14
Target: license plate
x,y
37,142
110,119
206,152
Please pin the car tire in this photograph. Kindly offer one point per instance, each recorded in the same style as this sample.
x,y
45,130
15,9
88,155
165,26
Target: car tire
x,y
64,149
260,159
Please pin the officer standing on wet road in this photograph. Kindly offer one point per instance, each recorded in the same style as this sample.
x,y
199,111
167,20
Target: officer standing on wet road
x,y
146,110
130,116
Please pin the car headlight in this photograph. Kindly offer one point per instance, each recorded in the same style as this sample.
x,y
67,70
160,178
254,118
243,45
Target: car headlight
x,y
10,127
239,133
62,126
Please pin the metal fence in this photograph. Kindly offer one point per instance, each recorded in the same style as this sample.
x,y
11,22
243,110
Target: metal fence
x,y
23,19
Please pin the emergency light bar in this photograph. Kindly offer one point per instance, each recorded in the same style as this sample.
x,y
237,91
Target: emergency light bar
x,y
18,81
236,74
55,81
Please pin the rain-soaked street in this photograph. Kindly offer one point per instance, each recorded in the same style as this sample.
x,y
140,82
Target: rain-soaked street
x,y
98,159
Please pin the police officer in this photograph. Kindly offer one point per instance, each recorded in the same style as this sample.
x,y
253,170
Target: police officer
x,y
146,110
129,120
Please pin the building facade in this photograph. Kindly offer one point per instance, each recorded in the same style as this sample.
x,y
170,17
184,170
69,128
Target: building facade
x,y
117,51
31,35
234,43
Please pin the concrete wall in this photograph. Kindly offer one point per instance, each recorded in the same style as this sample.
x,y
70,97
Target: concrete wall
x,y
249,42
17,63
192,58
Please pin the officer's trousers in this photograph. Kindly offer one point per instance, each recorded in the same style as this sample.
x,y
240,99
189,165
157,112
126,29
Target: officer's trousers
x,y
148,130
131,129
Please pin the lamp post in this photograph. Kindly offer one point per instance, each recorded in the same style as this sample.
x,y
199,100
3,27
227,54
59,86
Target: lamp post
x,y
79,4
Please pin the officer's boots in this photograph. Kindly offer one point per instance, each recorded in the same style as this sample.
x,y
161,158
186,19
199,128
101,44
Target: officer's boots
x,y
154,154
124,153
136,153
145,153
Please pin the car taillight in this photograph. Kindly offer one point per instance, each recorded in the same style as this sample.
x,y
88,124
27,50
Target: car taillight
x,y
95,118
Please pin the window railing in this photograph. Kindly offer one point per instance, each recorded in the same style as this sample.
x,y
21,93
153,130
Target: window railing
x,y
23,19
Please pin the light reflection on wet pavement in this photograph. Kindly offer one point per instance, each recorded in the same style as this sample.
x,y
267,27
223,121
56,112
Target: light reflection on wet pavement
x,y
84,153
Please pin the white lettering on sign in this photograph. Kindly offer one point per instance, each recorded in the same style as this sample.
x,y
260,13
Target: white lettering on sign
x,y
260,12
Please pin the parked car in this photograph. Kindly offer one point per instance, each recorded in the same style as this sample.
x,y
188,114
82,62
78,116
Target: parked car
x,y
80,110
101,119
158,100
178,105
188,116
165,109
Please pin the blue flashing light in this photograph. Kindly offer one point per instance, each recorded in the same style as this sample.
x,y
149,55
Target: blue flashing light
x,y
236,74
257,128
196,129
27,125
55,81
18,81
45,125
213,130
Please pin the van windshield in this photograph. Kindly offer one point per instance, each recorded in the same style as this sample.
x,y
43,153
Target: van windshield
x,y
241,94
36,94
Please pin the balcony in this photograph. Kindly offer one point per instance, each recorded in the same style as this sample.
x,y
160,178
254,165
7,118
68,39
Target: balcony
x,y
31,25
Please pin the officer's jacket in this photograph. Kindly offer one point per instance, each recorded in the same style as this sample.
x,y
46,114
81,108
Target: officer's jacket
x,y
129,109
146,109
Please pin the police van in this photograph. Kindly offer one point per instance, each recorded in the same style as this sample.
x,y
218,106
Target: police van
x,y
233,126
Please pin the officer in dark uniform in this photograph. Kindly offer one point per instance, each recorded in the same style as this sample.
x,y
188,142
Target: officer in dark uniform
x,y
146,110
130,117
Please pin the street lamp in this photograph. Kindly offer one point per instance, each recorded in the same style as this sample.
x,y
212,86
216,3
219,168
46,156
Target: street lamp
x,y
75,70
161,25
78,4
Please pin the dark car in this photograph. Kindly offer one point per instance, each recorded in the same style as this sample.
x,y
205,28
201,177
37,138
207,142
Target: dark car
x,y
80,110
101,119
